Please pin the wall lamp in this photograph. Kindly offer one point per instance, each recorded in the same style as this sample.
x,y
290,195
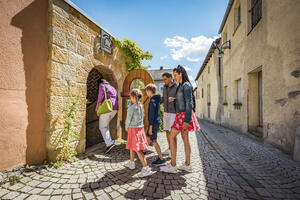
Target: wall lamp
x,y
225,45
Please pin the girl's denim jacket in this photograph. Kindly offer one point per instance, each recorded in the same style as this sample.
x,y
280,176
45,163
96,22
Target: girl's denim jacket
x,y
134,116
184,100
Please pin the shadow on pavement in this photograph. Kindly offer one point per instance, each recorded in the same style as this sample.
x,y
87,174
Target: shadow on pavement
x,y
158,185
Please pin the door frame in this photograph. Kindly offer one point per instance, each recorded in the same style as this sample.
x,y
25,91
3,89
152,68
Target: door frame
x,y
146,77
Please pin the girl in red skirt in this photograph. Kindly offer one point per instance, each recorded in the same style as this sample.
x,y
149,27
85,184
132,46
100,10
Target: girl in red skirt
x,y
136,139
185,120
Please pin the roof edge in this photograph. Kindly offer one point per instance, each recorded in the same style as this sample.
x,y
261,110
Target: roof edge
x,y
229,6
208,55
70,3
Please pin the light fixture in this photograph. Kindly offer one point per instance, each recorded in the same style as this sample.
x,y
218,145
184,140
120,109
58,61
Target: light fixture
x,y
225,45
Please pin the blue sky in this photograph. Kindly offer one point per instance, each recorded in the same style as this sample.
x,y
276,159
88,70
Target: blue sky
x,y
174,31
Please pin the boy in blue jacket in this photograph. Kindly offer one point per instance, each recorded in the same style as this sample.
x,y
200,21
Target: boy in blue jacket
x,y
154,122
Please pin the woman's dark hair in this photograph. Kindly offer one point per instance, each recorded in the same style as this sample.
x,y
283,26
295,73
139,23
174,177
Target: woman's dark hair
x,y
101,80
185,78
180,70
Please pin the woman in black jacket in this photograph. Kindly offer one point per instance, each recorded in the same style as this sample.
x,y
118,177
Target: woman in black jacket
x,y
185,120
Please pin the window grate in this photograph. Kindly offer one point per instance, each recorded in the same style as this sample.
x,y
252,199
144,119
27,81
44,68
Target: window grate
x,y
256,12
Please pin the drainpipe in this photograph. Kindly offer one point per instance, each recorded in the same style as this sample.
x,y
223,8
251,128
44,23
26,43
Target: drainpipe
x,y
297,145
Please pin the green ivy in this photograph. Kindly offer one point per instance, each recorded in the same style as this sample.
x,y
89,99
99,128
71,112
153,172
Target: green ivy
x,y
133,54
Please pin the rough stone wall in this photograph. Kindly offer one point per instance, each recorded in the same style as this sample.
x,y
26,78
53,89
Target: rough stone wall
x,y
273,47
73,52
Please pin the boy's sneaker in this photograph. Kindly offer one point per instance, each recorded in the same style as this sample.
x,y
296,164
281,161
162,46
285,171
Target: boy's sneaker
x,y
109,148
146,171
159,162
169,169
130,165
185,167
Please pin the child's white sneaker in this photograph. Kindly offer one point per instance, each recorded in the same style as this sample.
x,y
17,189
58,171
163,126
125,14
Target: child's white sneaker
x,y
185,167
130,165
146,171
169,169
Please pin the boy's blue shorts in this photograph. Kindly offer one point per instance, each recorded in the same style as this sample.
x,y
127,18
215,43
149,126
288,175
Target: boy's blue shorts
x,y
153,137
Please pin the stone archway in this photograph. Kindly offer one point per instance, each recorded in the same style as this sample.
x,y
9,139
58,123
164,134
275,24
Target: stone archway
x,y
93,134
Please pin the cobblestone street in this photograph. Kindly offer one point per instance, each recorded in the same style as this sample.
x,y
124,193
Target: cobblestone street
x,y
226,165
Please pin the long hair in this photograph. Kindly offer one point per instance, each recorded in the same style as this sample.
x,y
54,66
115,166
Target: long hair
x,y
137,94
180,70
185,78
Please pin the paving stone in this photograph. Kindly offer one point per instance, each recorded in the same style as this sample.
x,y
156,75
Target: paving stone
x,y
21,197
226,165
44,185
10,195
114,194
77,196
35,191
56,197
47,192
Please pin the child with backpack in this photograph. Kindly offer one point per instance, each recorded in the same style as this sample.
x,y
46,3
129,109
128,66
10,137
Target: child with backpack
x,y
154,122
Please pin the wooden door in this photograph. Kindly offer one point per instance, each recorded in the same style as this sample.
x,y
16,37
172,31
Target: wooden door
x,y
146,78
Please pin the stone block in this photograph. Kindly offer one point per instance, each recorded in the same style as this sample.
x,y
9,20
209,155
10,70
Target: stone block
x,y
68,73
54,69
78,19
87,64
81,75
62,23
60,7
71,43
59,54
83,49
58,37
83,36
77,89
55,104
74,59
57,87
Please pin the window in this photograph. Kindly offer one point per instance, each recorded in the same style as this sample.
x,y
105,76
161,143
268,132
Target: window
x,y
239,91
237,16
208,93
220,66
208,69
225,37
225,94
256,12
202,93
198,94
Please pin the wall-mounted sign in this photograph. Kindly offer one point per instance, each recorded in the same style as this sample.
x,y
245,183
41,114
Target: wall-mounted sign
x,y
106,42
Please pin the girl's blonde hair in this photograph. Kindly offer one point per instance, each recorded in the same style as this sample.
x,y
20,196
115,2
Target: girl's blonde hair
x,y
137,94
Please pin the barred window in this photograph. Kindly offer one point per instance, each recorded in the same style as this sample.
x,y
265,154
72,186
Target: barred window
x,y
256,12
237,16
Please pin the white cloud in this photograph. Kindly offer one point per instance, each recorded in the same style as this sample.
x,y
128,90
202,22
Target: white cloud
x,y
192,81
187,68
163,57
192,50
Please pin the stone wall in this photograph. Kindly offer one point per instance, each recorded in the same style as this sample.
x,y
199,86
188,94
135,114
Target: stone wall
x,y
74,50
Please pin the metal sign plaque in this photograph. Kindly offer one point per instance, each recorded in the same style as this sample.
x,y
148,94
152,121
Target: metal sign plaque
x,y
106,42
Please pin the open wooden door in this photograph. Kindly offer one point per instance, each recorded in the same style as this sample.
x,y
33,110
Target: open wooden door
x,y
144,77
